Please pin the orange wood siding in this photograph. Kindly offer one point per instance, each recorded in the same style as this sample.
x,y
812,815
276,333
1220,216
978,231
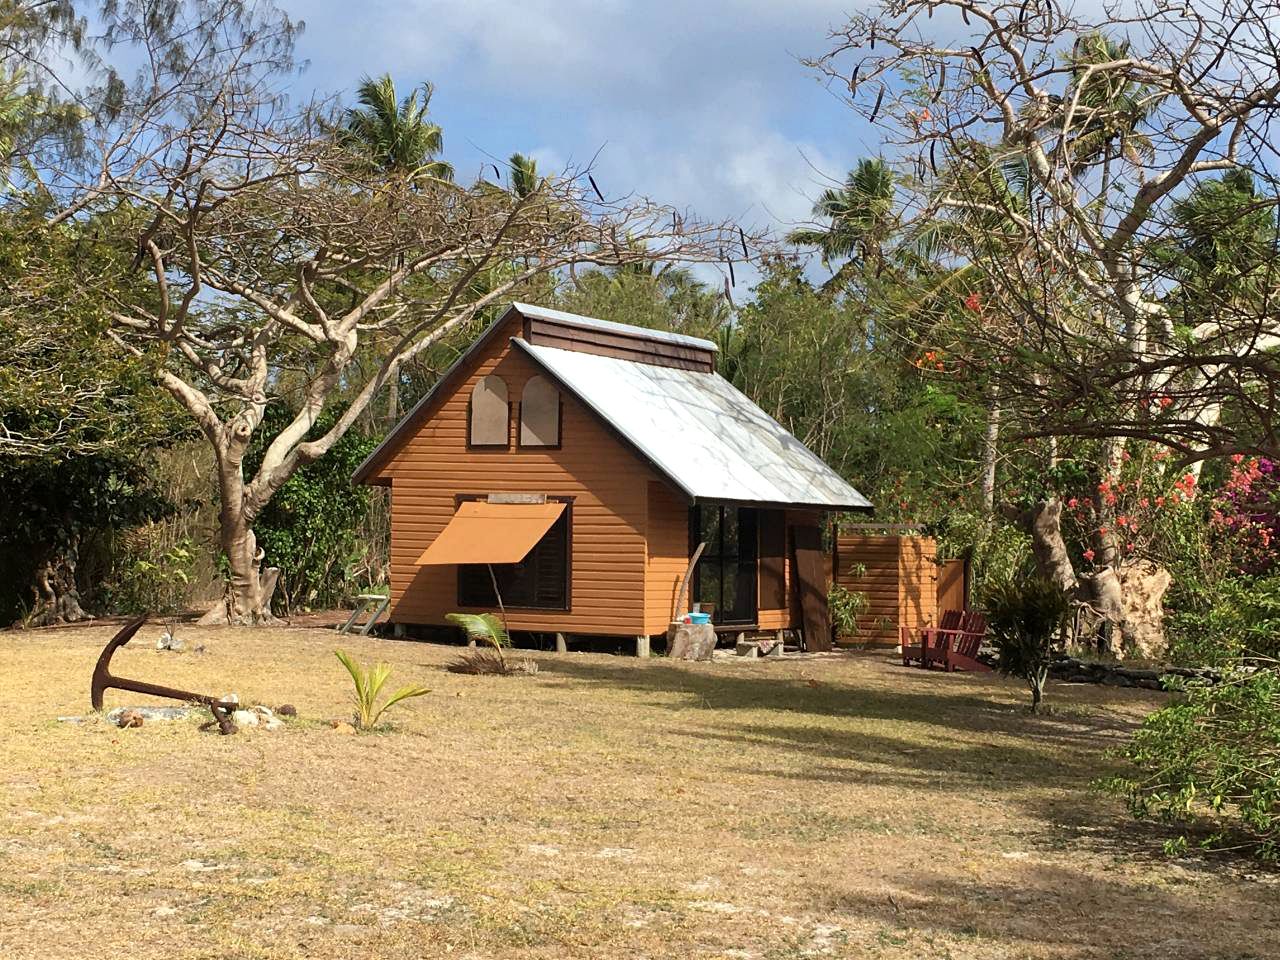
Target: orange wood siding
x,y
668,554
608,483
899,578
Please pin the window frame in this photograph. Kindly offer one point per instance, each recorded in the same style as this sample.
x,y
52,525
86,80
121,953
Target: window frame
x,y
567,517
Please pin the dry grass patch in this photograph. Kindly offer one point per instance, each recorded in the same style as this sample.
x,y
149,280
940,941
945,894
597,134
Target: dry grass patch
x,y
602,808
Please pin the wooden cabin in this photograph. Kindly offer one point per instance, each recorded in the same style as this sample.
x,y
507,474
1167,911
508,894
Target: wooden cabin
x,y
577,463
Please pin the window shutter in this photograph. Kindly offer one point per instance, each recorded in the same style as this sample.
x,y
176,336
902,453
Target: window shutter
x,y
539,414
489,418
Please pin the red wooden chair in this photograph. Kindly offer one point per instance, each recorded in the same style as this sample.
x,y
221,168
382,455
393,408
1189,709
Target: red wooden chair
x,y
919,648
958,649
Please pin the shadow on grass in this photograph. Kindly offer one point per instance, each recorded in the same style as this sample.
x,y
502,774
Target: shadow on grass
x,y
954,702
936,734
1042,906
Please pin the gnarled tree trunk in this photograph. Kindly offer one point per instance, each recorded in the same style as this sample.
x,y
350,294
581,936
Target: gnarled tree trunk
x,y
246,602
1128,596
55,591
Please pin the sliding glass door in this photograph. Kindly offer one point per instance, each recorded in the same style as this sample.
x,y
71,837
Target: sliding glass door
x,y
725,578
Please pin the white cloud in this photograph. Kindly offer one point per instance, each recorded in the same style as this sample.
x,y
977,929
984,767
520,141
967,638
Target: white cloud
x,y
699,104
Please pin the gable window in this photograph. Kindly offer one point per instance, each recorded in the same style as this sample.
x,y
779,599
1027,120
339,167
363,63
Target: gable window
x,y
538,582
489,416
539,414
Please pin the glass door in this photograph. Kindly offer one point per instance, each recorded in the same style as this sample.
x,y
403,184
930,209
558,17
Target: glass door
x,y
725,578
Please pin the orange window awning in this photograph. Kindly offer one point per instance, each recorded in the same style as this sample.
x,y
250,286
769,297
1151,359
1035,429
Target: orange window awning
x,y
483,532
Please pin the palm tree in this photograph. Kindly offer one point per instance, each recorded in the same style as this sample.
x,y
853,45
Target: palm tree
x,y
394,135
524,175
1111,108
859,215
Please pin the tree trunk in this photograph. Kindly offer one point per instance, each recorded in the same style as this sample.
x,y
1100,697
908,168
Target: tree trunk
x,y
244,588
1044,524
990,447
245,602
393,400
56,593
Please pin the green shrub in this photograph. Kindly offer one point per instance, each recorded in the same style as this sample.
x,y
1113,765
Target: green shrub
x,y
149,575
1212,757
1214,623
1025,617
846,606
311,528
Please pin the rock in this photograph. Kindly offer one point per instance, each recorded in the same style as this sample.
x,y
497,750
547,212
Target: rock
x,y
140,714
245,718
287,710
341,726
1132,674
267,719
167,641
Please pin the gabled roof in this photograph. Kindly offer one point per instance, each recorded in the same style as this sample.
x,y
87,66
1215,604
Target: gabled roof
x,y
699,431
693,427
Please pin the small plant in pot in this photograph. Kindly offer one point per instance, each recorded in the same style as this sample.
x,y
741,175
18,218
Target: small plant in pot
x,y
1026,619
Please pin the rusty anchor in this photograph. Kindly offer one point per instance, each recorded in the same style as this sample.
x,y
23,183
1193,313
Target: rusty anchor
x,y
103,680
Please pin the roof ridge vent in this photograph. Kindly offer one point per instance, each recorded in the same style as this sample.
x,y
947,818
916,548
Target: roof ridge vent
x,y
570,331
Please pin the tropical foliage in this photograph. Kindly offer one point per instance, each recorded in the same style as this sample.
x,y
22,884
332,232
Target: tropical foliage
x,y
1211,763
1027,620
368,682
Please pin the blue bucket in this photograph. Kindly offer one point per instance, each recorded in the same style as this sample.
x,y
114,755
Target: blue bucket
x,y
699,618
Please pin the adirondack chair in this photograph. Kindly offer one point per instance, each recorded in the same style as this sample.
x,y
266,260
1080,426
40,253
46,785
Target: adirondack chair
x,y
918,647
958,649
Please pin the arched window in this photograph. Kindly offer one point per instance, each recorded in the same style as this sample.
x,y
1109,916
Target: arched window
x,y
539,414
490,417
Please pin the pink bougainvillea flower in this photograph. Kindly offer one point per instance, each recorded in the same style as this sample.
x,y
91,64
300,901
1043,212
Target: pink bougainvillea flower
x,y
1166,402
1088,555
1073,503
973,302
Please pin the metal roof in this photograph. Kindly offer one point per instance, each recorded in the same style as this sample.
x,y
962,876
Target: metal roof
x,y
574,319
700,431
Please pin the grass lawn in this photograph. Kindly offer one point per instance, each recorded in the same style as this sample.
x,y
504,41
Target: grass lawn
x,y
604,808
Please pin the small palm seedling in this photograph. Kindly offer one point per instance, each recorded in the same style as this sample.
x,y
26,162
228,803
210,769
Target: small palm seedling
x,y
489,628
369,682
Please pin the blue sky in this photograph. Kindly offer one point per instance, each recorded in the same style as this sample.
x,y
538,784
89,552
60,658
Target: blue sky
x,y
699,104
